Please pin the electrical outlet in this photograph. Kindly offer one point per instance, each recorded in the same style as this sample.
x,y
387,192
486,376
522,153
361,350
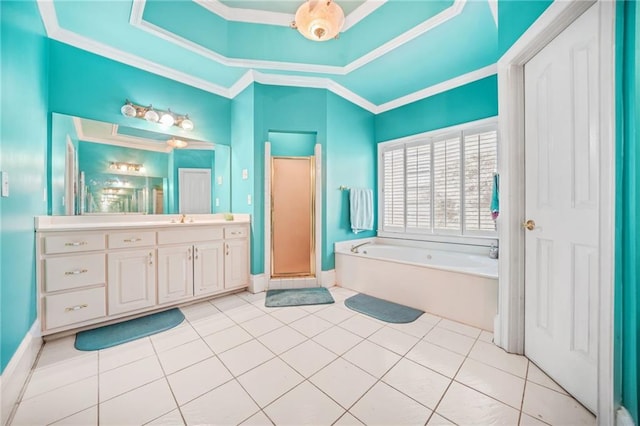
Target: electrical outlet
x,y
5,184
217,202
219,180
245,174
249,199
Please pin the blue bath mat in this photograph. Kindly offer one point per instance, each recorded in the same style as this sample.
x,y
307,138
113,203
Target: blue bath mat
x,y
382,309
297,297
123,332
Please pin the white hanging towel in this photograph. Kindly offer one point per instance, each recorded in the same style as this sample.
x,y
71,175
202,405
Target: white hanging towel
x,y
361,209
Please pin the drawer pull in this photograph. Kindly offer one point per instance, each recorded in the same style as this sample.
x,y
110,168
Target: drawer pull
x,y
76,244
76,308
76,272
235,233
132,240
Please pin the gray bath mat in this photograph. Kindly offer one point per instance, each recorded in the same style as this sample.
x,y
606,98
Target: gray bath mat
x,y
382,309
297,297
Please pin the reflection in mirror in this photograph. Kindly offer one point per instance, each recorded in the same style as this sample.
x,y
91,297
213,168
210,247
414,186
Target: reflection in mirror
x,y
100,168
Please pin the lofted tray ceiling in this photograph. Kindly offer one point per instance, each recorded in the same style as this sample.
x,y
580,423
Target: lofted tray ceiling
x,y
389,53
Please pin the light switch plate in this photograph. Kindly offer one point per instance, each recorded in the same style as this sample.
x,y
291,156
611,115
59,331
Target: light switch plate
x,y
217,202
219,180
245,174
5,184
249,199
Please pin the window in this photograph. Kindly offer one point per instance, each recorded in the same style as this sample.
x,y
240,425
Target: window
x,y
441,184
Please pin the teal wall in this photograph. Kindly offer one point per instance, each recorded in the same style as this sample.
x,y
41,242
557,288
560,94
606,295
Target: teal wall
x,y
61,128
514,17
287,144
351,160
90,86
222,171
470,102
627,260
24,69
96,157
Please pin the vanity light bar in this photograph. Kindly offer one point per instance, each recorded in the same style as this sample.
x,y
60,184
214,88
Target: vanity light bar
x,y
164,118
126,167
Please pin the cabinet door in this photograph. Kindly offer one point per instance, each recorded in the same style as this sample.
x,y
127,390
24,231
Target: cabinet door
x,y
236,263
132,280
175,273
208,268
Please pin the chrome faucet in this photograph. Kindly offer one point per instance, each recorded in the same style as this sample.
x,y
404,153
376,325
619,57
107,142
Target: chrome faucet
x,y
182,218
354,249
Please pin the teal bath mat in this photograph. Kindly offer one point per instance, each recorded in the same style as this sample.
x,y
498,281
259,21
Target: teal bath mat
x,y
297,297
382,309
123,332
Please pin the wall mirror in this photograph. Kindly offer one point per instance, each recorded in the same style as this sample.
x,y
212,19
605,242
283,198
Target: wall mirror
x,y
104,168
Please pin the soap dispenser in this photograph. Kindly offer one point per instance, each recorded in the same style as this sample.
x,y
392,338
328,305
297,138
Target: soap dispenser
x,y
493,251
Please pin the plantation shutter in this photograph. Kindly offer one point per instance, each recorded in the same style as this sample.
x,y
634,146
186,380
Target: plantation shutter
x,y
418,193
480,162
446,185
393,186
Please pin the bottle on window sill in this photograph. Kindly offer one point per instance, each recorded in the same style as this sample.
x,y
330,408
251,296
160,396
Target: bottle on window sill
x,y
493,251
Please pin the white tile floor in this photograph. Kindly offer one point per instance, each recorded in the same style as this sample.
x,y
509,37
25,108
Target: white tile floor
x,y
236,362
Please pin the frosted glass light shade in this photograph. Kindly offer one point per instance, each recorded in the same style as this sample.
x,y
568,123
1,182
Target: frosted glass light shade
x,y
166,119
128,110
319,20
151,115
177,143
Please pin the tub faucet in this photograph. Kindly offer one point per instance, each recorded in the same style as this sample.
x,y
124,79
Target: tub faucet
x,y
354,249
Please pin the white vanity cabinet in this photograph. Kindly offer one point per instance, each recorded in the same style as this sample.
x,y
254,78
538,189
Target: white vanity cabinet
x,y
112,271
236,260
72,276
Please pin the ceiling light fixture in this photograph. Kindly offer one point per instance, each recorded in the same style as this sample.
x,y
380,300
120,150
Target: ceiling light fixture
x,y
319,20
165,118
177,143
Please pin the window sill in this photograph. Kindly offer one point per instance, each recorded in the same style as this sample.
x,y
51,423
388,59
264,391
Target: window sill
x,y
474,240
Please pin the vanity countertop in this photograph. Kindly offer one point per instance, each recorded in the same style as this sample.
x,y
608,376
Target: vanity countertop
x,y
126,221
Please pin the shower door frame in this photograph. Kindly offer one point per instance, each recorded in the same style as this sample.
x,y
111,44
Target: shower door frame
x,y
319,277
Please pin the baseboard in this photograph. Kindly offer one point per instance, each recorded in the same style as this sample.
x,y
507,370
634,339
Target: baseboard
x,y
15,375
497,338
623,418
258,283
328,278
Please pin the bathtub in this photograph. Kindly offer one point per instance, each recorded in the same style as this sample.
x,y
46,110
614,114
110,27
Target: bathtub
x,y
461,286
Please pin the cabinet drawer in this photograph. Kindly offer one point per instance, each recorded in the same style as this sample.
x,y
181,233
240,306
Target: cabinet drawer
x,y
131,239
74,307
72,243
235,232
189,235
70,272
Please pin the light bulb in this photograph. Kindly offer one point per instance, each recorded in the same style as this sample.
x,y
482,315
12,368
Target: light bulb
x,y
166,119
128,110
151,115
186,124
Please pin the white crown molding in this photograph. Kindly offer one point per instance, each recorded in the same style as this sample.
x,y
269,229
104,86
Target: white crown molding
x,y
137,21
426,26
55,32
467,78
361,12
48,13
281,19
493,5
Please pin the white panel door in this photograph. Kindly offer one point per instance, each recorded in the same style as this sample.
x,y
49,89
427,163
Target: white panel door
x,y
561,148
208,268
132,280
194,189
175,273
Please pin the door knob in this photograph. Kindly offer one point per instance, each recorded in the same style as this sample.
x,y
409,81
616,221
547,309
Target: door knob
x,y
529,224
